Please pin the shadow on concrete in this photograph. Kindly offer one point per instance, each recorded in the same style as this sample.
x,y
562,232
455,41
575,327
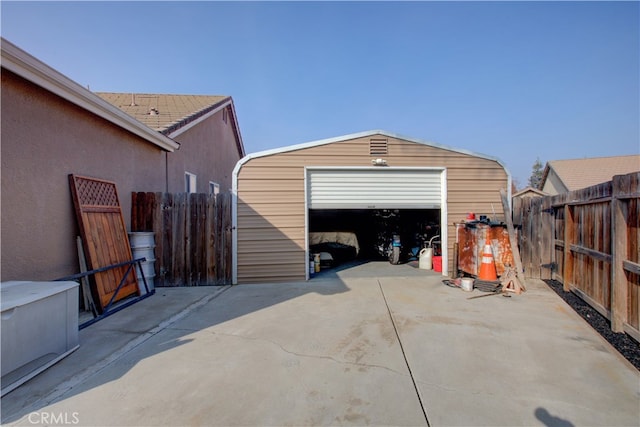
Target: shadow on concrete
x,y
105,342
551,420
106,347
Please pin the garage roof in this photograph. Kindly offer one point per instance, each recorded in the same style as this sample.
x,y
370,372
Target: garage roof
x,y
362,135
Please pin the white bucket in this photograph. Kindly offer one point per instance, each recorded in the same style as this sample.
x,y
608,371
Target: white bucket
x,y
146,252
466,284
143,245
150,285
141,239
148,268
425,259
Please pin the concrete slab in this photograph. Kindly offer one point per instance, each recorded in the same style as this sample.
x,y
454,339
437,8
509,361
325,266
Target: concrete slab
x,y
525,360
103,342
326,352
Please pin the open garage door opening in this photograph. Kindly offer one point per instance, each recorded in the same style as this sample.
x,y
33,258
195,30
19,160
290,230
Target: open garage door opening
x,y
353,214
339,237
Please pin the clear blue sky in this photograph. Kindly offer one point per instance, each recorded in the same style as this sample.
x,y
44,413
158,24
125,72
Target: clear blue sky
x,y
514,80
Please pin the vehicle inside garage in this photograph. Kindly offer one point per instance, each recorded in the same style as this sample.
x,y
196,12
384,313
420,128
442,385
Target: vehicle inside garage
x,y
341,236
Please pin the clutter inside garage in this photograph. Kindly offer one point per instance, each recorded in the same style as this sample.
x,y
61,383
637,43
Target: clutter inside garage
x,y
339,236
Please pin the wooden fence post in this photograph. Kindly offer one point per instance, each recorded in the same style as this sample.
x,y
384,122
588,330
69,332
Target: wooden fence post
x,y
156,227
569,236
546,238
625,269
619,295
210,242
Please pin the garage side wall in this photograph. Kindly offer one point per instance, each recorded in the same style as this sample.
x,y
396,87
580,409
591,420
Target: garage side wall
x,y
271,198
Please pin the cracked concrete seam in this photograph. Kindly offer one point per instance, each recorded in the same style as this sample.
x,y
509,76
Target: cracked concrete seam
x,y
311,356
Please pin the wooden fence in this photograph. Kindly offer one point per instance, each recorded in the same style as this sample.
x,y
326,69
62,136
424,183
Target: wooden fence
x,y
192,236
589,240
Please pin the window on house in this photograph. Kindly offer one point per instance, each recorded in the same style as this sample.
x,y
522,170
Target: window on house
x,y
225,114
214,188
190,181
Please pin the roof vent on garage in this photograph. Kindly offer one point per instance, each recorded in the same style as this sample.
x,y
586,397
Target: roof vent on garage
x,y
378,146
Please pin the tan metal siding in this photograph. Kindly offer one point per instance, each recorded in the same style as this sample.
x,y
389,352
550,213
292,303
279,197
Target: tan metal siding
x,y
271,216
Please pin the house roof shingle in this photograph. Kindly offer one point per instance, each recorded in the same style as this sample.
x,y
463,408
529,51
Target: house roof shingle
x,y
581,173
162,112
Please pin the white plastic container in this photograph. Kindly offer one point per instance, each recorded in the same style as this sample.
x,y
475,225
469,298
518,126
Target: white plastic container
x,y
425,259
39,327
143,245
466,284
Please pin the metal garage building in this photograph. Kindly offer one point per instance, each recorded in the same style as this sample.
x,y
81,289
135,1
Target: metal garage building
x,y
281,195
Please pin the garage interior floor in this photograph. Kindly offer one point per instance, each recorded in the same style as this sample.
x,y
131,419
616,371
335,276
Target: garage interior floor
x,y
373,269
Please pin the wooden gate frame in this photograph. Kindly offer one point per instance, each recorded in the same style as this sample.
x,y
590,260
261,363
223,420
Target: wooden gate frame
x,y
105,239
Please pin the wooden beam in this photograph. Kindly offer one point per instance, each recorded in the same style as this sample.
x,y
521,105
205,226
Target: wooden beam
x,y
600,256
592,302
619,289
631,267
547,249
567,274
512,236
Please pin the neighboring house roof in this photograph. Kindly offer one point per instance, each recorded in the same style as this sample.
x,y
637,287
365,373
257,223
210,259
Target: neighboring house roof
x,y
581,173
172,114
29,68
530,192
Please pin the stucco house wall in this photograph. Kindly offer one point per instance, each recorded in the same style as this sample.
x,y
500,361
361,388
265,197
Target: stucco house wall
x,y
208,150
53,127
45,138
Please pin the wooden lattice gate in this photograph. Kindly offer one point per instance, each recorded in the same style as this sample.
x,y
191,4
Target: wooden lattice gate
x,y
104,237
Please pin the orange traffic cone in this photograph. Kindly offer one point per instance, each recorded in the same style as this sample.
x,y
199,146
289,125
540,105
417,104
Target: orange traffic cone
x,y
488,266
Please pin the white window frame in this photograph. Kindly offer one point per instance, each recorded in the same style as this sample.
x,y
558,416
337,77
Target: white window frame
x,y
190,182
214,188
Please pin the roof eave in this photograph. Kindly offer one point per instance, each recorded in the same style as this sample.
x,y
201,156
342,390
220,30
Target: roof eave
x,y
545,175
180,127
364,135
28,67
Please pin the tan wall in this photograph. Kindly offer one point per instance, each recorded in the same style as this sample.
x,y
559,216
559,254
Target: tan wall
x,y
45,138
553,185
207,150
271,208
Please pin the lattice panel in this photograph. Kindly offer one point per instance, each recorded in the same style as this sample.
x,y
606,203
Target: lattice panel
x,y
96,193
104,236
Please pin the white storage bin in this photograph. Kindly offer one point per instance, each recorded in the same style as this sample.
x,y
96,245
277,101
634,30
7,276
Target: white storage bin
x,y
39,327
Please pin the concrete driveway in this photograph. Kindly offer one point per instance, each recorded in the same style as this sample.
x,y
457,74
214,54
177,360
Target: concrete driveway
x,y
373,345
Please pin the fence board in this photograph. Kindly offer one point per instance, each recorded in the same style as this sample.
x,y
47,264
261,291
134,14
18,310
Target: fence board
x,y
592,234
210,243
192,233
166,228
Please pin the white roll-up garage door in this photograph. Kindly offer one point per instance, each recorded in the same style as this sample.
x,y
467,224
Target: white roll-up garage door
x,y
374,188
